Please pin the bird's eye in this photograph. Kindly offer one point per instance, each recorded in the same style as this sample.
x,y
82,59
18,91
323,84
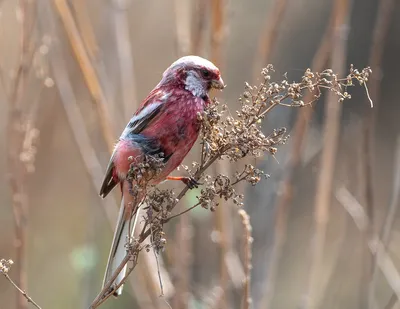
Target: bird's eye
x,y
205,73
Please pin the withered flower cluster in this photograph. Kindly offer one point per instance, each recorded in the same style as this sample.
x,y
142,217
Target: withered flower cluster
x,y
5,266
234,136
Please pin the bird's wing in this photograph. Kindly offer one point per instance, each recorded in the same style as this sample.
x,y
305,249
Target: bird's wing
x,y
147,112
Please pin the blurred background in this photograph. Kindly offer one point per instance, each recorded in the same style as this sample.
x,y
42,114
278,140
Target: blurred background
x,y
324,224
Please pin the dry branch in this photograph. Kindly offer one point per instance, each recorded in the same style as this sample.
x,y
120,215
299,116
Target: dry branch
x,y
5,266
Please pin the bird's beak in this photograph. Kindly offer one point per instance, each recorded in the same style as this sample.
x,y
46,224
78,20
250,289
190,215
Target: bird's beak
x,y
218,84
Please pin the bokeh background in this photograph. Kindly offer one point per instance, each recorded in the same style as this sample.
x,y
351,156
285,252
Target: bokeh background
x,y
324,224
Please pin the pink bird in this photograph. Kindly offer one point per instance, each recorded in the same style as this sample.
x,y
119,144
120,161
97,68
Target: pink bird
x,y
166,123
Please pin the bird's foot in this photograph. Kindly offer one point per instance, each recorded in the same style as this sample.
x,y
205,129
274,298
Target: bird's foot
x,y
189,181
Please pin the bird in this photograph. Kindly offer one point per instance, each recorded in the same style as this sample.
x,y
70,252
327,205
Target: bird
x,y
166,125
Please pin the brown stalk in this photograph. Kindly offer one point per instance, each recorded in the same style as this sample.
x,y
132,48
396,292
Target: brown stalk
x,y
268,36
217,30
85,27
328,157
21,292
286,187
81,15
17,130
248,239
88,70
381,29
222,213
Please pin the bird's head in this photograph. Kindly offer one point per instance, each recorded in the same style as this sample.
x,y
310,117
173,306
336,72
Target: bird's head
x,y
196,74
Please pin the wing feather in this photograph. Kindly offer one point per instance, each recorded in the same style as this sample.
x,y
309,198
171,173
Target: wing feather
x,y
147,112
108,181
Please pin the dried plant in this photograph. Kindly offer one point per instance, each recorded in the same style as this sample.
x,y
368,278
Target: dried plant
x,y
5,266
228,136
225,136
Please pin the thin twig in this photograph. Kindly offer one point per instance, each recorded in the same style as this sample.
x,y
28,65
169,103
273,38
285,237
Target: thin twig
x,y
105,293
22,292
152,269
328,158
181,213
248,240
158,269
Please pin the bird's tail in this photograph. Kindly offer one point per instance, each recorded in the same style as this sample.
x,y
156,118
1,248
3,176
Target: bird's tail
x,y
118,250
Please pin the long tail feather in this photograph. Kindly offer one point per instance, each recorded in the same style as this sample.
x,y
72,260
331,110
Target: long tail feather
x,y
118,248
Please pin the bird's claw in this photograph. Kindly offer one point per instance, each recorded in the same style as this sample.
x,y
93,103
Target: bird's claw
x,y
191,182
